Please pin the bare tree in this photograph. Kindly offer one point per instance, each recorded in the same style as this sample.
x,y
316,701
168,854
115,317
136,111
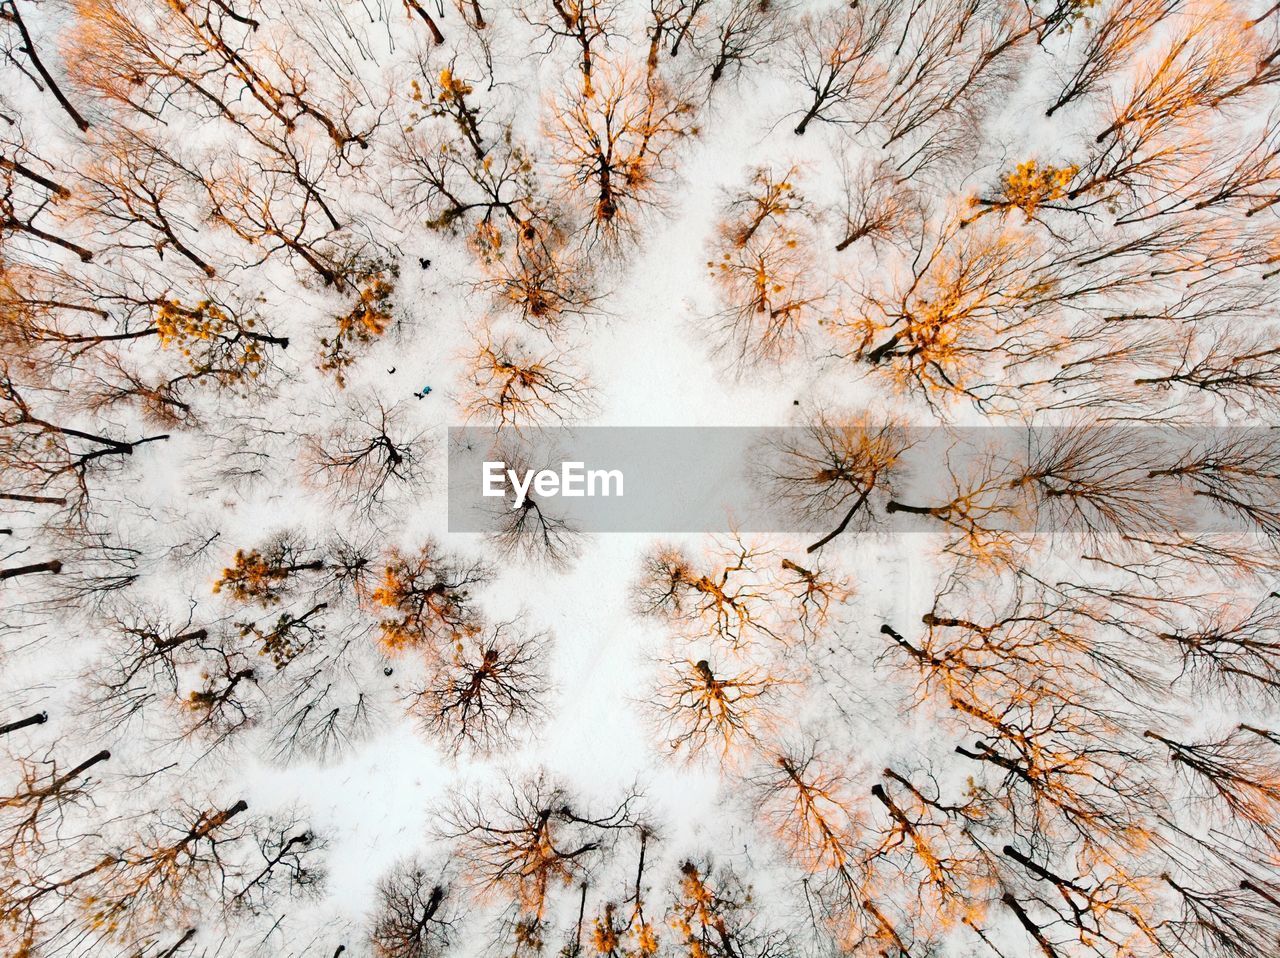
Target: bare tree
x,y
834,59
744,593
1236,475
530,841
178,860
1231,921
373,454
329,687
934,848
713,916
614,148
511,385
1203,61
801,798
743,32
534,529
32,816
24,195
10,13
973,296
485,693
427,597
763,267
542,276
47,453
699,713
1108,45
587,25
1234,644
880,205
136,184
829,470
369,317
412,919
1240,773
211,61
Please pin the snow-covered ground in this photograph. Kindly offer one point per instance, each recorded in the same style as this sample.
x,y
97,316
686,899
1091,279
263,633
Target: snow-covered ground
x,y
337,727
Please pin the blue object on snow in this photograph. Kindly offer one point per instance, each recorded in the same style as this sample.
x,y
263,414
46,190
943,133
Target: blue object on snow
x,y
426,391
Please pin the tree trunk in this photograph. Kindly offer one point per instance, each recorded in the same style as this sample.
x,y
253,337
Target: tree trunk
x,y
30,49
80,769
14,224
849,240
56,188
52,565
895,506
1031,927
38,719
190,933
417,8
16,497
804,123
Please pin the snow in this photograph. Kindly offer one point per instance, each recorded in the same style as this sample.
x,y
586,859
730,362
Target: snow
x,y
237,473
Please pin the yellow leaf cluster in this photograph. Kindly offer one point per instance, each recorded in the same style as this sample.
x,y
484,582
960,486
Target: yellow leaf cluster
x,y
250,576
369,317
209,325
1030,185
